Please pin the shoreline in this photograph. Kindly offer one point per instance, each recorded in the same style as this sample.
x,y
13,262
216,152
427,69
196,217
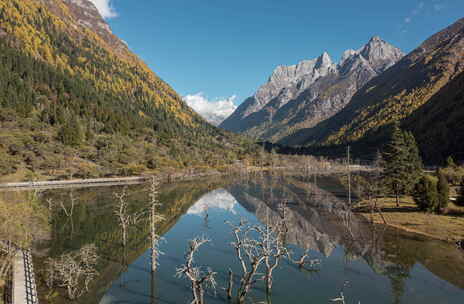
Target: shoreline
x,y
111,181
72,182
447,227
413,231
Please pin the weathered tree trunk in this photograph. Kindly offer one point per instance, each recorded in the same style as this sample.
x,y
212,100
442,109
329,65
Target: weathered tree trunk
x,y
230,286
268,289
153,288
246,284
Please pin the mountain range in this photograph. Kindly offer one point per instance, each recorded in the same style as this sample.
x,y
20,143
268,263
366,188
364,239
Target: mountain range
x,y
320,107
423,91
301,95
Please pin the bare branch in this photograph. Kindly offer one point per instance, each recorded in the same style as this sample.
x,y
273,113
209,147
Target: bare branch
x,y
198,277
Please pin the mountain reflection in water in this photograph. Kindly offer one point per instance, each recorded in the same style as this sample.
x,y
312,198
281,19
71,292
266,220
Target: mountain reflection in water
x,y
371,264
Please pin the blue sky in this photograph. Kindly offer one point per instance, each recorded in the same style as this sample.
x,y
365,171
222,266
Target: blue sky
x,y
229,48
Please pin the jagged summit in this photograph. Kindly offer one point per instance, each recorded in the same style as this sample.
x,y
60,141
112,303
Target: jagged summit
x,y
324,61
313,79
422,91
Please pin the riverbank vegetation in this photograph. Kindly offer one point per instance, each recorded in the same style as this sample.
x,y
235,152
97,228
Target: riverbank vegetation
x,y
448,226
426,202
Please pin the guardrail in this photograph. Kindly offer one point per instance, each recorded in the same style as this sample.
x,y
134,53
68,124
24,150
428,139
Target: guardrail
x,y
24,287
94,181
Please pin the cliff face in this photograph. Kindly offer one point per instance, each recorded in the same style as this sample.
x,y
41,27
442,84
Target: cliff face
x,y
425,74
304,94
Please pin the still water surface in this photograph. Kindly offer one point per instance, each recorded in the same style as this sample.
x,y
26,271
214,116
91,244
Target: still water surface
x,y
369,264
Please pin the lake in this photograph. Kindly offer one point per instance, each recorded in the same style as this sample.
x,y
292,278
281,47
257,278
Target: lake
x,y
369,264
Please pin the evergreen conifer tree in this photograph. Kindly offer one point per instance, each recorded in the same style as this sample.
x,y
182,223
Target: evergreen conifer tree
x,y
71,133
403,164
414,161
443,191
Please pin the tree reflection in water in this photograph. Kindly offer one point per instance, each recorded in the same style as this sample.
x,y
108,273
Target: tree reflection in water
x,y
380,263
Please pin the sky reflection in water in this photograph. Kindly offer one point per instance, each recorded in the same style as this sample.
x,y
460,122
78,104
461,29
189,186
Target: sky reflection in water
x,y
364,272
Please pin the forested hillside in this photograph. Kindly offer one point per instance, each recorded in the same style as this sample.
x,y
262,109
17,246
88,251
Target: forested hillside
x,y
439,124
75,97
411,90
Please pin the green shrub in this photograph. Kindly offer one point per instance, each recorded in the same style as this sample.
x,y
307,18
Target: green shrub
x,y
443,191
426,195
70,133
454,175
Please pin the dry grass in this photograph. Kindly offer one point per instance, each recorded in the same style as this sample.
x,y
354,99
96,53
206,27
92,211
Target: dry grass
x,y
448,227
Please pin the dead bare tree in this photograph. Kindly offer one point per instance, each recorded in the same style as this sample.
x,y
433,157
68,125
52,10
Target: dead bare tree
x,y
249,256
73,271
125,218
68,212
273,240
304,262
199,278
273,250
256,246
154,219
339,299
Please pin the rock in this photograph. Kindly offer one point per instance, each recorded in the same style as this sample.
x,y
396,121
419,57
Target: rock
x,y
301,95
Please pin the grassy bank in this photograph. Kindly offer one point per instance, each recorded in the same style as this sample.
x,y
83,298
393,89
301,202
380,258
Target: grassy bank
x,y
447,227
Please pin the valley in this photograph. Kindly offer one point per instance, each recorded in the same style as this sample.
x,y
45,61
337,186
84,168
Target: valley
x,y
338,179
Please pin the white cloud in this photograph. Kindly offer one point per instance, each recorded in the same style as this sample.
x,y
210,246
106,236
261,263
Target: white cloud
x,y
214,111
105,8
416,11
217,199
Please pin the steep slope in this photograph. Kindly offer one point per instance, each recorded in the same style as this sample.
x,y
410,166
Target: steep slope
x,y
397,93
302,95
72,95
439,124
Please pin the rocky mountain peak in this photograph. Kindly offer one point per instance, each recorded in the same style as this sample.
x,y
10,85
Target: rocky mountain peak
x,y
380,54
347,55
297,88
86,14
323,61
